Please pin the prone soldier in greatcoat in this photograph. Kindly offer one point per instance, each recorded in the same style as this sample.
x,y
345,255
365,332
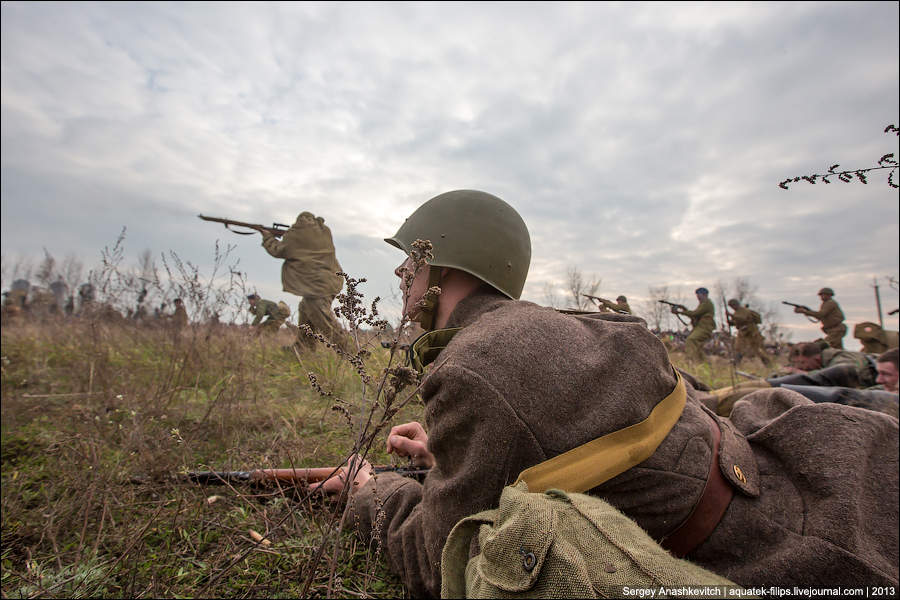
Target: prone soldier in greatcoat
x,y
762,497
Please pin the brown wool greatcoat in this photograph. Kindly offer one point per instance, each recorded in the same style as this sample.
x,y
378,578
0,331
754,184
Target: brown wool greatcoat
x,y
521,383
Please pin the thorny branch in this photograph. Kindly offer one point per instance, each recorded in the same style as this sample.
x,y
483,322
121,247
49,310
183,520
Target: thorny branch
x,y
885,162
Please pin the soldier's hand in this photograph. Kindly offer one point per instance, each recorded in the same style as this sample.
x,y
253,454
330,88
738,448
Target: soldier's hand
x,y
335,483
799,309
411,440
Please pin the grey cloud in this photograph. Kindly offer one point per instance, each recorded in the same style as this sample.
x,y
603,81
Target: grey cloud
x,y
642,142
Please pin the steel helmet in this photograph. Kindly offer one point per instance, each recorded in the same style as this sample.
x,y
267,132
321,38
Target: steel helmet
x,y
828,291
474,232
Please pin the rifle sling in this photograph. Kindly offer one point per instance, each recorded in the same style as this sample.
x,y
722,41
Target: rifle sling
x,y
239,232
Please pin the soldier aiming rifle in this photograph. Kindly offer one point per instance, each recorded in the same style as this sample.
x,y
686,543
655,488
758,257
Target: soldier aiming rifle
x,y
702,322
310,270
620,305
829,315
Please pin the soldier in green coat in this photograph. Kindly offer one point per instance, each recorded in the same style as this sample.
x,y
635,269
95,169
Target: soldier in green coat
x,y
180,317
267,315
620,305
310,270
831,317
874,338
811,364
749,340
702,322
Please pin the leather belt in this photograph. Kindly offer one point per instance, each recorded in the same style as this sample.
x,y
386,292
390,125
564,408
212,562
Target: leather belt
x,y
708,511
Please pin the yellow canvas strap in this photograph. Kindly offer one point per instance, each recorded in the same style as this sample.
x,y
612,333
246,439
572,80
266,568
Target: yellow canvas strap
x,y
596,462
427,346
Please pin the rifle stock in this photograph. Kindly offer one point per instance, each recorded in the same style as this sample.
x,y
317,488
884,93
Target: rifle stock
x,y
277,229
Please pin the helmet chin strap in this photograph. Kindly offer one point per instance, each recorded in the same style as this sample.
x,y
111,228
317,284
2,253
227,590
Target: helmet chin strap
x,y
426,315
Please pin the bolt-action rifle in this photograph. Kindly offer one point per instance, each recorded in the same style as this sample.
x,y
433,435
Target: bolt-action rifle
x,y
801,306
604,302
795,305
728,320
675,306
277,229
290,476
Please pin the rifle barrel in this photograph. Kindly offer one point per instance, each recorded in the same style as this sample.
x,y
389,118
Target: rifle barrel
x,y
794,305
309,475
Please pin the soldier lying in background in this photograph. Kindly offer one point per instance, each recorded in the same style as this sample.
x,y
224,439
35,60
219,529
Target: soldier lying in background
x,y
811,364
870,399
874,339
819,386
888,367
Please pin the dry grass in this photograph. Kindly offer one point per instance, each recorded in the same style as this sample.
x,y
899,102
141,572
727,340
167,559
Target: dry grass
x,y
88,407
98,418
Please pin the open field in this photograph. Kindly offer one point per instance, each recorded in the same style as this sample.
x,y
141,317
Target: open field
x,y
97,419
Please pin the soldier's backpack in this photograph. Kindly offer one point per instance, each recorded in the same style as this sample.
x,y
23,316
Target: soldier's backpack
x,y
554,544
561,545
756,318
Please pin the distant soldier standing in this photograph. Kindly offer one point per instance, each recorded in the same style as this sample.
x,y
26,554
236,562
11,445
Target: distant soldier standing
x,y
702,321
749,340
180,316
11,308
310,270
86,303
831,317
267,315
17,298
60,290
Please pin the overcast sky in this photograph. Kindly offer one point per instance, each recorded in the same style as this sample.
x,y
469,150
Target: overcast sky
x,y
642,143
